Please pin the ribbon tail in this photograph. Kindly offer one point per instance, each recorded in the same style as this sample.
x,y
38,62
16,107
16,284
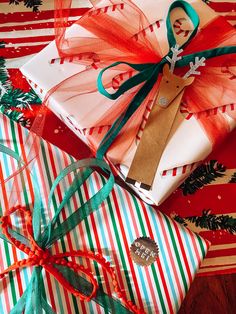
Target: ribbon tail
x,y
122,120
16,236
107,302
88,207
84,286
29,306
207,54
21,304
37,215
76,184
47,308
33,294
38,299
27,302
37,290
78,181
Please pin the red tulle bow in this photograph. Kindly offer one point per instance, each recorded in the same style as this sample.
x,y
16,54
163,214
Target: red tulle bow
x,y
119,31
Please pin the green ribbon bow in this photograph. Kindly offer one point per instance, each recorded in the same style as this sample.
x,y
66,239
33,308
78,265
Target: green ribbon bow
x,y
148,73
33,299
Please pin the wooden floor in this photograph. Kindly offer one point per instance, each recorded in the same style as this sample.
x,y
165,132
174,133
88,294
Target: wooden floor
x,y
211,295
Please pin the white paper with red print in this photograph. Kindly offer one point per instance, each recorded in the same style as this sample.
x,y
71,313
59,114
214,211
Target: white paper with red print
x,y
188,146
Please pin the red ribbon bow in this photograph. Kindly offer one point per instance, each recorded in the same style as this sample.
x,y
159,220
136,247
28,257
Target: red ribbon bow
x,y
40,257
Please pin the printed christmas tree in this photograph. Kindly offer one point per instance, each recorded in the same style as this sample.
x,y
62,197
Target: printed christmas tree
x,y
14,102
33,4
209,221
210,173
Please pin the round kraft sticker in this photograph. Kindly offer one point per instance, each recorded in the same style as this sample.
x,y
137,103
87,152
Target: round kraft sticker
x,y
144,251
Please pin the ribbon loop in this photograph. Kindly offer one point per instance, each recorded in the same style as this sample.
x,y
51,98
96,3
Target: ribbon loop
x,y
145,72
193,16
76,268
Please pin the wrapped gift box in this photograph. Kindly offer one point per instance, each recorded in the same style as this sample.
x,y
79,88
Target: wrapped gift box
x,y
116,230
188,144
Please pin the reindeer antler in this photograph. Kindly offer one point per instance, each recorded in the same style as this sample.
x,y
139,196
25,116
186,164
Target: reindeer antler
x,y
176,51
193,67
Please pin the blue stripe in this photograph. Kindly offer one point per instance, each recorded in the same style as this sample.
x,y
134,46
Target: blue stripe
x,y
35,172
189,248
58,293
58,158
131,238
98,216
91,181
7,165
1,306
164,256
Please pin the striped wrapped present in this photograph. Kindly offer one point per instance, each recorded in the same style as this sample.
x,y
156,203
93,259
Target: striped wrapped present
x,y
154,258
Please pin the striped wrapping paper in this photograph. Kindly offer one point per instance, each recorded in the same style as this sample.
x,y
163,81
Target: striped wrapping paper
x,y
26,33
120,220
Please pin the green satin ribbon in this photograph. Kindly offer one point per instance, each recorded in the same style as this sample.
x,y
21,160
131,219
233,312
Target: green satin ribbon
x,y
148,73
33,299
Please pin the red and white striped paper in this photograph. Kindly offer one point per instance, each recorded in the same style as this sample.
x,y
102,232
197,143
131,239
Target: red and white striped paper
x,y
26,33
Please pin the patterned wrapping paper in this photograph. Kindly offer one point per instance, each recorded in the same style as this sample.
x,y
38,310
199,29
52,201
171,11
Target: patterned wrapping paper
x,y
24,40
175,165
111,230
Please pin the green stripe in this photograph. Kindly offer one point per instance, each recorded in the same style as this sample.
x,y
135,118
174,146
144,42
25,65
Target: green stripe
x,y
101,298
45,160
153,267
203,250
12,124
120,248
74,300
109,304
6,247
176,253
12,127
11,279
8,260
91,245
42,285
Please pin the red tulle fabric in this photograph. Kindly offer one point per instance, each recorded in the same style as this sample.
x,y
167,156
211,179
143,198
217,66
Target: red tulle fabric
x,y
114,32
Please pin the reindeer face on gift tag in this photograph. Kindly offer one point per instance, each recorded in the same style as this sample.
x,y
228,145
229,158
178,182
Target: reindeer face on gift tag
x,y
160,121
170,86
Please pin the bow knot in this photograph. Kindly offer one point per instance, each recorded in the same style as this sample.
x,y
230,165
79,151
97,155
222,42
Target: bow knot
x,y
147,74
40,257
